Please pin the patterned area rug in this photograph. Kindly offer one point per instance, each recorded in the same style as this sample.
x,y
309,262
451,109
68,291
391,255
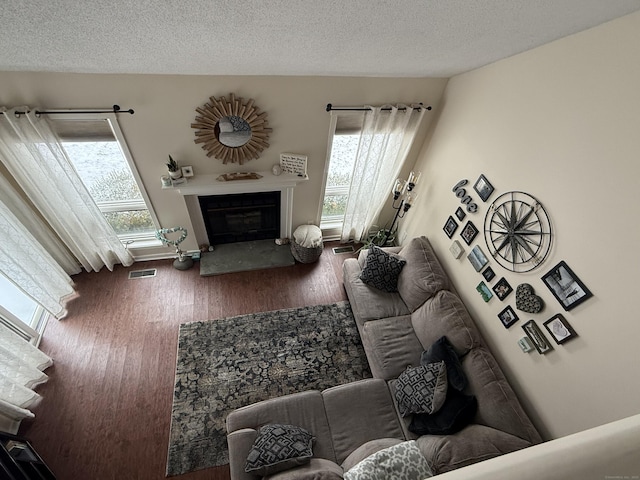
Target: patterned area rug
x,y
228,363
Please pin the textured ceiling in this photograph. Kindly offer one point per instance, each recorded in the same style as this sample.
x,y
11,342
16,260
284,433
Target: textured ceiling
x,y
403,38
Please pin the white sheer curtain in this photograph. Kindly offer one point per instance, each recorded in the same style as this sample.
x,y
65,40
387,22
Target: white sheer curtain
x,y
28,265
21,369
387,135
37,161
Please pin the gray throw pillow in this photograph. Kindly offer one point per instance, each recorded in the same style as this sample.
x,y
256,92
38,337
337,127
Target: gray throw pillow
x,y
403,461
381,269
277,448
422,389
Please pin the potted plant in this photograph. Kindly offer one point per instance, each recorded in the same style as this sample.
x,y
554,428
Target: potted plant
x,y
174,169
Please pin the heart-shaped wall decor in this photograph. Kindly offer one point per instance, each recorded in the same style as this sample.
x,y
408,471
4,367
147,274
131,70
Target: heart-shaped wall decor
x,y
527,300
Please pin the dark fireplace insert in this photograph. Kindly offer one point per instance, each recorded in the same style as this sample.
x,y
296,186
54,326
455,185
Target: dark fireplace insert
x,y
241,217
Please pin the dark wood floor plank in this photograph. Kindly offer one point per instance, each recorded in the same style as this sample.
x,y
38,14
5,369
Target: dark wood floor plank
x,y
106,410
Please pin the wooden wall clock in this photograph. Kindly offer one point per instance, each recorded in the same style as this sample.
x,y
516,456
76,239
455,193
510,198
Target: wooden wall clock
x,y
231,130
517,231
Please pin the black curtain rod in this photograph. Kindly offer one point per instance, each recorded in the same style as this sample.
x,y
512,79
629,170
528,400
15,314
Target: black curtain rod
x,y
330,108
116,109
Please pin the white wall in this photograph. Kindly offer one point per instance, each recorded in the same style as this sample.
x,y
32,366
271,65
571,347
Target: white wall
x,y
165,108
561,123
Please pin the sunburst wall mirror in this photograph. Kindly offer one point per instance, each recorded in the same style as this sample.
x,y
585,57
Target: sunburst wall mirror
x,y
233,130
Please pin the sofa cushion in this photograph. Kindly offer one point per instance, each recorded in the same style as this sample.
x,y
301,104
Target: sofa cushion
x,y
498,406
369,303
381,270
473,444
366,449
456,413
279,447
403,461
391,346
351,408
422,389
445,315
422,276
442,351
316,469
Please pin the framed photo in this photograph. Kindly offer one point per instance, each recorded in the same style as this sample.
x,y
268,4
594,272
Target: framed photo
x,y
559,329
460,213
508,317
450,227
456,249
537,337
187,171
502,288
483,188
566,286
484,291
488,274
469,232
477,258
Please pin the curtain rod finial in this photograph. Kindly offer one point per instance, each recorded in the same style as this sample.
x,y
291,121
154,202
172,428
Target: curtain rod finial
x,y
329,107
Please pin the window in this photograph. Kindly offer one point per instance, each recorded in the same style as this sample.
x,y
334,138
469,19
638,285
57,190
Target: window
x,y
20,313
343,146
96,147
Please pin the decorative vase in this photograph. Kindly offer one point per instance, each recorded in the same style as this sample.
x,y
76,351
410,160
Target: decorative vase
x,y
175,175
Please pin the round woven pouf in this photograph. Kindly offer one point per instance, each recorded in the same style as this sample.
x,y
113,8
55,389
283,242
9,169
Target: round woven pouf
x,y
306,245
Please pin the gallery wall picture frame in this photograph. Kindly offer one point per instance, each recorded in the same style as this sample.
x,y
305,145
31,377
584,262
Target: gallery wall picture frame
x,y
450,227
508,316
484,291
460,213
488,274
502,289
187,171
483,188
456,249
566,286
477,258
537,337
559,329
469,232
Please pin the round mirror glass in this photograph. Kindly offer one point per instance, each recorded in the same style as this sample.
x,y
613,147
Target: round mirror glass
x,y
233,131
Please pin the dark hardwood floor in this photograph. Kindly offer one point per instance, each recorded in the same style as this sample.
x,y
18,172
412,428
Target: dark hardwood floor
x,y
106,409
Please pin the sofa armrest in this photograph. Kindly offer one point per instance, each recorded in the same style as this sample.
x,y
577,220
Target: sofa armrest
x,y
240,443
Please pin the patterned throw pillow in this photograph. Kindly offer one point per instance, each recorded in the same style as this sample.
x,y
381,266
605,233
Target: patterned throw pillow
x,y
422,389
381,269
277,448
403,461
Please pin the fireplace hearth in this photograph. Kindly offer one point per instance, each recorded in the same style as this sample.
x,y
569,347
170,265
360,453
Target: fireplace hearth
x,y
241,217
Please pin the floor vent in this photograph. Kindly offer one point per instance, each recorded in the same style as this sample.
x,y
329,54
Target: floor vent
x,y
149,272
339,250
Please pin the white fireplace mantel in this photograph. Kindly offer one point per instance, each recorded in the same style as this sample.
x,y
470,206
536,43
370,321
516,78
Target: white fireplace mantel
x,y
202,185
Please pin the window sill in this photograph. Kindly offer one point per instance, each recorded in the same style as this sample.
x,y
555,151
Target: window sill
x,y
142,243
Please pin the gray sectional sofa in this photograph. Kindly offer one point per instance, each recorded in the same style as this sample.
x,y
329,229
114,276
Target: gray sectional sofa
x,y
352,421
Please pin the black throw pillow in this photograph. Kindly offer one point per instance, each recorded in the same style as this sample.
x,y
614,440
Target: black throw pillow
x,y
443,351
456,413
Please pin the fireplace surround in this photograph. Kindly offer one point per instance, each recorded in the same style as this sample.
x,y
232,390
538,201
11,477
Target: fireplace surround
x,y
208,185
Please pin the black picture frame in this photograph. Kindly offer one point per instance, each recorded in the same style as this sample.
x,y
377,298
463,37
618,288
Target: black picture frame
x,y
484,291
450,227
508,316
537,337
566,286
488,274
483,188
502,289
469,232
460,213
559,329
